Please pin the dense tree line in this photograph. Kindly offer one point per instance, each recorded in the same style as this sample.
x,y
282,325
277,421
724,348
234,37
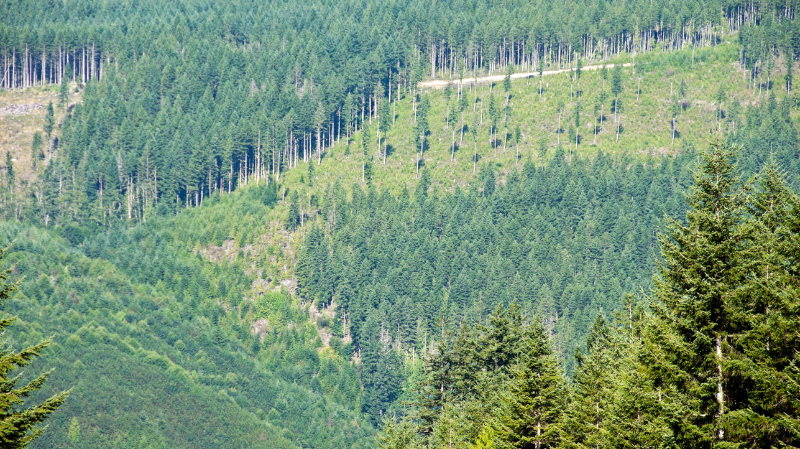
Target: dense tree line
x,y
563,240
186,99
709,358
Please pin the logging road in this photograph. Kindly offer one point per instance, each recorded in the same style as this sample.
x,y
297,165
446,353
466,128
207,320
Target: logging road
x,y
438,84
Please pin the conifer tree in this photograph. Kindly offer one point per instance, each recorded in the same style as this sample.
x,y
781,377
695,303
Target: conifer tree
x,y
593,387
366,169
761,408
49,120
385,123
698,279
402,434
537,394
10,175
293,218
36,148
18,426
63,92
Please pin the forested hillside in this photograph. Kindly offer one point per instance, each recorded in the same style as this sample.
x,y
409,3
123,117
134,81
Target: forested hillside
x,y
185,99
247,224
156,340
707,358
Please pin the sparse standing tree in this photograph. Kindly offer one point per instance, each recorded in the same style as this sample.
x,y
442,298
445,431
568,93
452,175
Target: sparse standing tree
x,y
63,93
49,120
616,86
720,99
577,122
541,75
319,121
36,148
473,129
560,109
365,133
384,124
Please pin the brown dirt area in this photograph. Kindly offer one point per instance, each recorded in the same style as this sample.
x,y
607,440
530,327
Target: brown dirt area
x,y
22,113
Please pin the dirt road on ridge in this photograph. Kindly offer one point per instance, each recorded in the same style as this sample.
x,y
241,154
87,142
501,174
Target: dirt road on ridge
x,y
438,84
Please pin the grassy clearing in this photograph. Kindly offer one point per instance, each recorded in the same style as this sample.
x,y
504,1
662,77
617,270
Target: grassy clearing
x,y
646,129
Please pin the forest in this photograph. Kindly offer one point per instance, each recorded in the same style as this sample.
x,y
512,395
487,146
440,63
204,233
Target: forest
x,y
254,224
185,99
707,358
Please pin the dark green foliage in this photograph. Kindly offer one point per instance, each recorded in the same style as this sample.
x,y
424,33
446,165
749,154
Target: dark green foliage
x,y
724,286
700,273
709,360
36,148
10,175
496,383
537,395
564,240
293,217
49,120
187,100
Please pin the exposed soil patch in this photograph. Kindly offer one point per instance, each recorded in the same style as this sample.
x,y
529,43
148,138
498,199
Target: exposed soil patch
x,y
20,109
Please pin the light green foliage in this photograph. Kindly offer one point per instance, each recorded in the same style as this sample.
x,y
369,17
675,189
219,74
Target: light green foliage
x,y
275,307
189,110
74,431
190,344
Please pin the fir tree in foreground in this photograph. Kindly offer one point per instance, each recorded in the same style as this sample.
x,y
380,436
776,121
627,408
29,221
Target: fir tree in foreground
x,y
725,332
17,426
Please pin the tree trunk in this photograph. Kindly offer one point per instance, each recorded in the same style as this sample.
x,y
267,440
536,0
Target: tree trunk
x,y
720,395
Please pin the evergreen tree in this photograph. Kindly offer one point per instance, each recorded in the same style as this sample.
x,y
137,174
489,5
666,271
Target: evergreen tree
x,y
10,175
760,408
366,167
36,148
702,270
385,123
537,394
18,426
63,91
402,434
49,120
593,388
293,217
